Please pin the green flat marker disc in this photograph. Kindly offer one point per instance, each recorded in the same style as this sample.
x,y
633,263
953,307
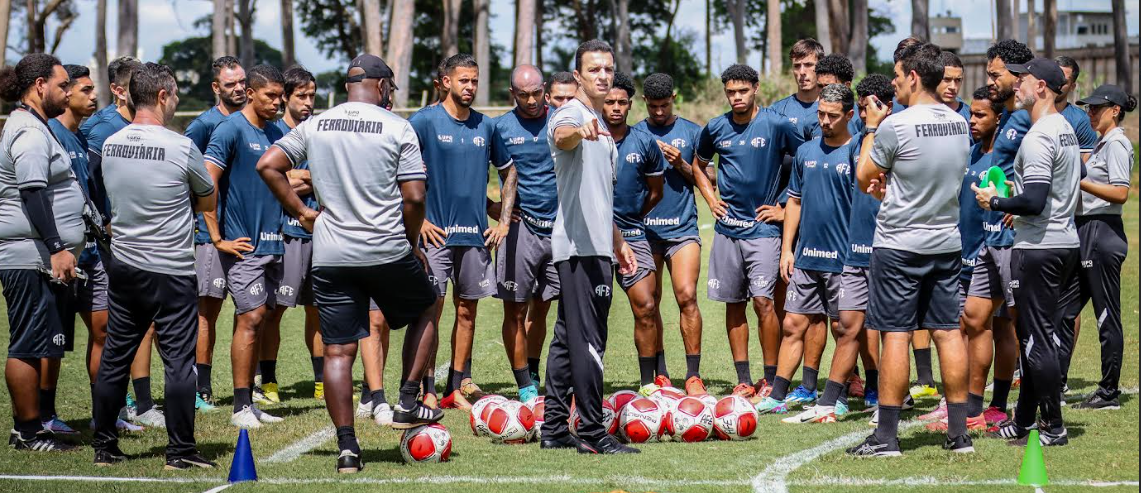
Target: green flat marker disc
x,y
995,176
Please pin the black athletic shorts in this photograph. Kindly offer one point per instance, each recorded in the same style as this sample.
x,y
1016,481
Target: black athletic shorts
x,y
400,289
35,314
911,291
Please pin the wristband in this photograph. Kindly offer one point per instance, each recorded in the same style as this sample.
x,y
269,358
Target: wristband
x,y
870,130
994,203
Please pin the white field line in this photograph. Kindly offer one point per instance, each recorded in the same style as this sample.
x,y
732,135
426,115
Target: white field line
x,y
218,489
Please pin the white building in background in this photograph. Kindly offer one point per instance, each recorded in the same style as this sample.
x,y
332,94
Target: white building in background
x,y
1081,24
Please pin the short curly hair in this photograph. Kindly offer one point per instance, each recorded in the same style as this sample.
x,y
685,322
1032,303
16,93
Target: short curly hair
x,y
658,86
743,73
838,65
1009,51
877,85
624,82
983,94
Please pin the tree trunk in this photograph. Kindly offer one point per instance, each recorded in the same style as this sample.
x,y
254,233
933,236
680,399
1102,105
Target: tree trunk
x,y
1032,25
524,31
482,44
218,28
823,27
1121,47
539,34
128,42
450,36
371,27
625,49
1003,23
858,46
708,38
400,47
5,17
919,23
664,51
1049,27
288,57
30,20
102,86
776,58
246,19
231,30
838,20
736,10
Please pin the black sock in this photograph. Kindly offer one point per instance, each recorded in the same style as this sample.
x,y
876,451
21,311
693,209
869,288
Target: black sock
x,y
533,365
743,374
692,366
268,371
454,380
646,367
143,400
242,398
92,395
957,418
347,439
871,380
28,429
923,367
770,373
318,368
888,427
1001,392
366,394
808,378
409,390
378,397
47,404
204,386
780,388
661,357
429,384
522,376
974,404
467,370
844,392
832,391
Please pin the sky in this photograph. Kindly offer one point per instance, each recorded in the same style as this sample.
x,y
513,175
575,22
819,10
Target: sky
x,y
169,20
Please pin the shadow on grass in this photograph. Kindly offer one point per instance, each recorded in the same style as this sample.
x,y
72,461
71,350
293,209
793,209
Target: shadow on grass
x,y
209,450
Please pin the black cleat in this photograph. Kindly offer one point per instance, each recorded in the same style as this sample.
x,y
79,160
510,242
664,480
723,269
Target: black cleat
x,y
567,442
42,441
961,444
1046,438
403,419
109,456
349,462
189,462
1096,401
607,445
873,447
1009,430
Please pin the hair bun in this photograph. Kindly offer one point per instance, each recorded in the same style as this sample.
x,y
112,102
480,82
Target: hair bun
x,y
1130,103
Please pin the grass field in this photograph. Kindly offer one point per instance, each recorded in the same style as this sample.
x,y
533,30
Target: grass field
x,y
1103,450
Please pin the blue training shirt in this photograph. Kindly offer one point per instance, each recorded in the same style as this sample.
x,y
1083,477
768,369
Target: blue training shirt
x,y
862,220
290,226
822,179
525,140
802,115
676,215
971,216
1079,119
1012,127
638,157
250,210
85,127
199,132
76,147
748,174
106,126
456,154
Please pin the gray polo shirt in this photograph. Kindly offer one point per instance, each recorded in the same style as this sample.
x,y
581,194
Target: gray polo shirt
x,y
31,157
358,154
1049,154
1111,163
584,223
150,173
924,152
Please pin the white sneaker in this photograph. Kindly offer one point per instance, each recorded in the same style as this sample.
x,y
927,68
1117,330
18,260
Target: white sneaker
x,y
265,417
382,414
245,419
122,426
259,397
364,410
875,418
814,414
152,418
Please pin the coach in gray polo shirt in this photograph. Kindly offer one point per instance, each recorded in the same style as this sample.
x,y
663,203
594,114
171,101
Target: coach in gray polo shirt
x,y
156,180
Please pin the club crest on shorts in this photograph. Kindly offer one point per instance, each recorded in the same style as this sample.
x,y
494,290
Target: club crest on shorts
x,y
761,281
602,291
256,289
59,339
714,284
285,290
510,285
220,283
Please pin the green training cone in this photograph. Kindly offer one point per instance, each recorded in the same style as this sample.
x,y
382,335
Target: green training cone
x,y
995,176
1033,471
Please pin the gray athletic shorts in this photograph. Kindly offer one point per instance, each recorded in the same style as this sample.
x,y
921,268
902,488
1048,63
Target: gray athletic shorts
x,y
854,289
470,268
523,267
743,269
253,281
813,292
964,288
668,247
910,291
91,294
297,277
646,265
991,277
208,268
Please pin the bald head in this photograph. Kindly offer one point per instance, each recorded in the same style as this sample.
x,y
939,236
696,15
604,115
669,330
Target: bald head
x,y
528,91
526,78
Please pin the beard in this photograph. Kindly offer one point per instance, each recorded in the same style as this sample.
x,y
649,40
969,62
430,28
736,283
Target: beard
x,y
53,109
236,99
1002,95
1025,103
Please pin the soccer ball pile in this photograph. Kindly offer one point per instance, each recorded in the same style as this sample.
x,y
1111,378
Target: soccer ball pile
x,y
506,421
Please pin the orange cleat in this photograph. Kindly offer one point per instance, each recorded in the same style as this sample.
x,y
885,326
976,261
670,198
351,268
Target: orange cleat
x,y
470,391
974,423
431,400
694,386
663,381
745,390
763,388
455,400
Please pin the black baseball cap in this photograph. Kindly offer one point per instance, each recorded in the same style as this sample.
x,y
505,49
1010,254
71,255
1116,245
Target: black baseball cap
x,y
1044,69
1106,94
373,66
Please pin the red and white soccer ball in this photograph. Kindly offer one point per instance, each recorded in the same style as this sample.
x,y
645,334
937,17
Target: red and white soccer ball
x,y
708,400
734,418
620,398
510,422
538,406
429,443
609,418
642,420
480,411
668,397
691,420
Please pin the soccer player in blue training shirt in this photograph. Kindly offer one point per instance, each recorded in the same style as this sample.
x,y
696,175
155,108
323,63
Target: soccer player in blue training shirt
x,y
952,83
819,195
525,275
563,88
458,143
744,262
672,226
853,302
247,229
229,87
800,107
637,190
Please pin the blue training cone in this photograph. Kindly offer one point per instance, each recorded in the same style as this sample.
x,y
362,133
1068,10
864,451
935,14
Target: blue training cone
x,y
242,468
